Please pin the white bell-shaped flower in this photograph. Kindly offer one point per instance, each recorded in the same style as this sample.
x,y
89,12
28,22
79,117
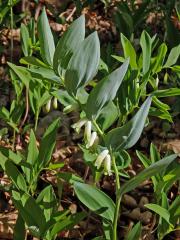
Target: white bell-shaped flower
x,y
107,165
91,140
101,158
87,132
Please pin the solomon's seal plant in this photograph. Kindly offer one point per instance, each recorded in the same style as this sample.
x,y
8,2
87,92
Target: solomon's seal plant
x,y
112,115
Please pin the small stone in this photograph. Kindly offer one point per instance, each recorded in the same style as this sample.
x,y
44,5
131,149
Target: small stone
x,y
135,214
144,200
129,201
146,217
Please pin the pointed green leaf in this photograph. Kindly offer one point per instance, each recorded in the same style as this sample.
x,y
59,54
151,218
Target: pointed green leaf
x,y
32,61
160,58
19,229
167,92
152,170
25,39
154,154
68,43
173,57
135,232
126,136
47,201
84,64
21,72
67,223
105,91
29,210
15,175
146,45
129,51
95,200
31,157
46,39
47,145
162,212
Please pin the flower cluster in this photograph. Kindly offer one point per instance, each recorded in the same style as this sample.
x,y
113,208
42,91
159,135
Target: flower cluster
x,y
91,139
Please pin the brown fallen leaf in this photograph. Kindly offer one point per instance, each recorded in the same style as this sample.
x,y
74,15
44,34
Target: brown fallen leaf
x,y
173,145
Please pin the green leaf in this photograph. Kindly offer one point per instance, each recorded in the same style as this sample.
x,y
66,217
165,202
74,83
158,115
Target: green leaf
x,y
83,64
107,116
173,57
95,200
174,210
105,91
67,223
32,61
4,113
47,201
29,210
44,74
162,212
31,157
47,145
69,177
135,232
21,72
129,51
98,238
160,58
147,173
15,175
171,176
160,104
25,39
19,229
55,166
160,113
154,154
146,45
126,136
64,98
145,161
68,43
46,39
167,92
15,157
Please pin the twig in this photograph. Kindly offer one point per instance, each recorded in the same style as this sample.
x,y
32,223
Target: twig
x,y
86,173
71,14
27,108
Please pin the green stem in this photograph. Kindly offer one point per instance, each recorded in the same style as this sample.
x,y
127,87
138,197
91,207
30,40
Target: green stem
x,y
12,23
36,120
98,128
118,198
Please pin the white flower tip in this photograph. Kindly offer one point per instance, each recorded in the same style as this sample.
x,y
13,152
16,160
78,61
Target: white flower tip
x,y
100,158
87,132
107,165
91,140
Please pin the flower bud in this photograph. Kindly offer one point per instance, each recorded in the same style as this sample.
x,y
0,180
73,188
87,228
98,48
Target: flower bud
x,y
70,108
67,109
157,82
87,132
107,165
77,126
48,106
92,140
100,158
55,103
